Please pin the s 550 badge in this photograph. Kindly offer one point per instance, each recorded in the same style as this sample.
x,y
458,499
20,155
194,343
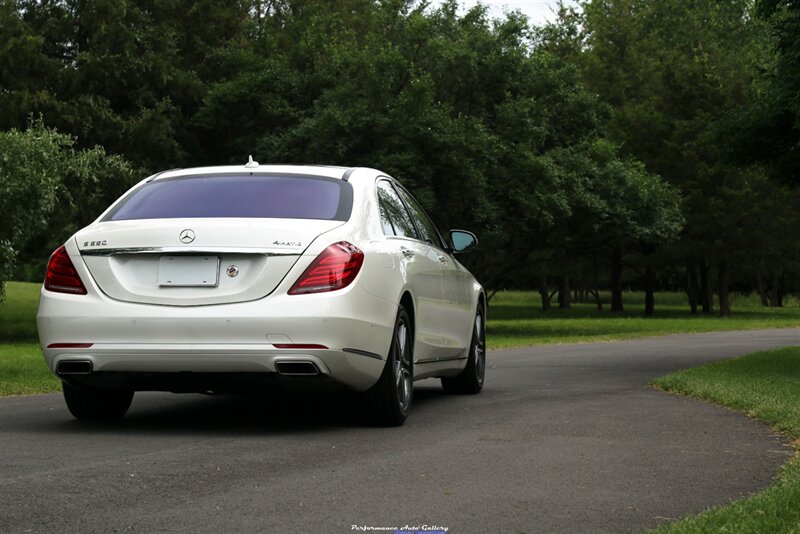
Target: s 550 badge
x,y
95,243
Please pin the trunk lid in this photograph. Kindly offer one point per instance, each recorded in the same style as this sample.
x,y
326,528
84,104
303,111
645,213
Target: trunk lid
x,y
191,262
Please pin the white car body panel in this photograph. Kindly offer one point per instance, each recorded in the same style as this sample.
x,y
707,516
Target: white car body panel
x,y
133,325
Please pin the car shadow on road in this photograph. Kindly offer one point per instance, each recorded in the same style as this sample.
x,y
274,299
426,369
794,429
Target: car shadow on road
x,y
253,414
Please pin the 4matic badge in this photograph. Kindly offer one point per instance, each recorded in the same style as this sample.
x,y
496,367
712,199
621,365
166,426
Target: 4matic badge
x,y
288,243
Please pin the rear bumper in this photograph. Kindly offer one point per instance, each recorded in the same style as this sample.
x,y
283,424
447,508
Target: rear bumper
x,y
204,382
127,338
198,367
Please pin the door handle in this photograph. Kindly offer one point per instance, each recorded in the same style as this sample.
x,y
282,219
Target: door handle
x,y
407,252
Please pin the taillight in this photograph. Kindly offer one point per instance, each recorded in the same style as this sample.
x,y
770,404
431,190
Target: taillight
x,y
61,275
336,267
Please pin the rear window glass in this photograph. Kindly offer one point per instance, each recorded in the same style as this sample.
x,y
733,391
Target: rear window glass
x,y
259,196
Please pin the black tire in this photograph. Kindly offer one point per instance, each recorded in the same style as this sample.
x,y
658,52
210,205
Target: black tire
x,y
388,402
470,380
89,404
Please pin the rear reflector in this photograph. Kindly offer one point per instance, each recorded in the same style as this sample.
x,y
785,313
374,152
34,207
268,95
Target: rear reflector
x,y
335,268
61,275
298,346
69,345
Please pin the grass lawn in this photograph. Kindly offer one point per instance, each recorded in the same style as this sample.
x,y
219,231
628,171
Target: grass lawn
x,y
515,319
22,368
18,312
23,371
766,386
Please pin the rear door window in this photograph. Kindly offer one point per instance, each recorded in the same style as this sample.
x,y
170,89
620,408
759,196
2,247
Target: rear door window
x,y
257,196
395,218
424,224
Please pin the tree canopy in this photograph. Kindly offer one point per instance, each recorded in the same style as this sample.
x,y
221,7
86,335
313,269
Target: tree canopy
x,y
609,147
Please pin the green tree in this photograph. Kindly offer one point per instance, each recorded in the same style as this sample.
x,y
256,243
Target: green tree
x,y
772,131
121,74
617,208
490,128
679,75
48,189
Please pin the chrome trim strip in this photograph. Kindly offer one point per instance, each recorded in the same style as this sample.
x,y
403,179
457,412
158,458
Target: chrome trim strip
x,y
185,250
434,360
156,175
364,353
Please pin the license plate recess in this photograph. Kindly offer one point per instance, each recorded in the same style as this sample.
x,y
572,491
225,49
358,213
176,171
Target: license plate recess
x,y
188,271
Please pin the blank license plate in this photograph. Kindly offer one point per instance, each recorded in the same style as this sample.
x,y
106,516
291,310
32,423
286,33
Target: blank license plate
x,y
188,271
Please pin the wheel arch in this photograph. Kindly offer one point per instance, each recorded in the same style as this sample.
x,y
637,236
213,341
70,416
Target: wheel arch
x,y
407,301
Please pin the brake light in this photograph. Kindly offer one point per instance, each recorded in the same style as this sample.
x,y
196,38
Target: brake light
x,y
335,268
61,275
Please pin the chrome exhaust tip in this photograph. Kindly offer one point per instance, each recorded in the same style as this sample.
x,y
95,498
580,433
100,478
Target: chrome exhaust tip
x,y
296,368
74,367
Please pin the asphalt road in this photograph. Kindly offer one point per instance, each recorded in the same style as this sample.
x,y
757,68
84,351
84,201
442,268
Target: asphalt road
x,y
563,439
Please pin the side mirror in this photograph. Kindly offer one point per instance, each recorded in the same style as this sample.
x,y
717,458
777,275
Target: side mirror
x,y
462,241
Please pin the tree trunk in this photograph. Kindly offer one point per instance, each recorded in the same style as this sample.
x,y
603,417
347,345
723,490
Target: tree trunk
x,y
586,286
691,285
564,293
706,291
777,288
649,292
762,290
616,281
597,298
544,292
582,290
724,294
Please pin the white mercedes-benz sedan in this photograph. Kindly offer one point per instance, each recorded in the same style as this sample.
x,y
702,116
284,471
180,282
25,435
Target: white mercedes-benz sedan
x,y
227,279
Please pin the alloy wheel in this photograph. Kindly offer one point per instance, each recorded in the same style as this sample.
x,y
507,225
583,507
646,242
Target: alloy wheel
x,y
402,365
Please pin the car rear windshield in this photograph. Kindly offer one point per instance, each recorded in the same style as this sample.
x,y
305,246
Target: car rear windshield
x,y
257,196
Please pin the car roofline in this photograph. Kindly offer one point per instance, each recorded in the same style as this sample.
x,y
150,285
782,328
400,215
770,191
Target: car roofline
x,y
305,170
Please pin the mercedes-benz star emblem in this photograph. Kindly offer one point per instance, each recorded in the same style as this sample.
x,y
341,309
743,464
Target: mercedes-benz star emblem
x,y
186,235
232,270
